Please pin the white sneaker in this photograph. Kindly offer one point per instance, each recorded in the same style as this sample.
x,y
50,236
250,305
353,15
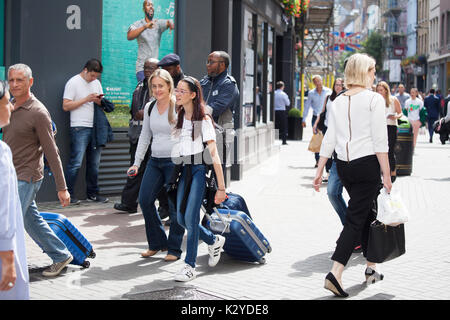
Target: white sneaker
x,y
215,250
186,274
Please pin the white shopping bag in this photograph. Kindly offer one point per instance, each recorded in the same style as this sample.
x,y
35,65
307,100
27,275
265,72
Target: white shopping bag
x,y
391,208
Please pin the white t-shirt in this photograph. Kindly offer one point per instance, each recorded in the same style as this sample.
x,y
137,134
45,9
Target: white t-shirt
x,y
186,146
413,107
77,88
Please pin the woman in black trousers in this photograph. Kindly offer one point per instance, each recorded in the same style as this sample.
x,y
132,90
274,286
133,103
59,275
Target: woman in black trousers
x,y
357,132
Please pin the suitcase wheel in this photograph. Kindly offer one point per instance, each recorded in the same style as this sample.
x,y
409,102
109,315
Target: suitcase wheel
x,y
92,255
262,261
86,264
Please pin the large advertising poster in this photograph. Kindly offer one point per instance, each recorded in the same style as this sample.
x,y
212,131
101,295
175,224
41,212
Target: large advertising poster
x,y
120,56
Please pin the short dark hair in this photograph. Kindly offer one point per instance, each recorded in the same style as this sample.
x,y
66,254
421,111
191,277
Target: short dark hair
x,y
94,65
432,91
280,84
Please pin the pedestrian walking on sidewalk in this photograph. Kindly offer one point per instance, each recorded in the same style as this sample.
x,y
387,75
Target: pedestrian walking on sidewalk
x,y
159,121
357,132
413,106
316,100
30,136
433,105
322,119
195,130
130,192
14,278
281,101
393,112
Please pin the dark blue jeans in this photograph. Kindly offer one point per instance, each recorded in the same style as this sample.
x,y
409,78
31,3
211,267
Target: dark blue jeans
x,y
80,144
191,217
157,173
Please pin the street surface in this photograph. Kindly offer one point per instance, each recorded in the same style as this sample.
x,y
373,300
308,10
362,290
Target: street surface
x,y
300,224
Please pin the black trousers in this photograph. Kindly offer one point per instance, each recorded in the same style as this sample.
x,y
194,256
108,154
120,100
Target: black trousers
x,y
281,123
130,192
362,180
392,140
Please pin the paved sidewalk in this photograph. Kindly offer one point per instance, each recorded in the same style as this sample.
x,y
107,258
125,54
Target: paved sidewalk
x,y
300,224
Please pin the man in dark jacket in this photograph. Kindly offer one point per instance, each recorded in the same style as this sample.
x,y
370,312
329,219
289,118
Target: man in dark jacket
x,y
130,192
220,90
432,104
221,95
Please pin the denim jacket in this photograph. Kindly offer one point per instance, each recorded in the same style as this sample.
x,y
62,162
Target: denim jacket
x,y
102,129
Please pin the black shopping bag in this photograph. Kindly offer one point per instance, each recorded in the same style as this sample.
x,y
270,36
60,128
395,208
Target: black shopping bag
x,y
385,242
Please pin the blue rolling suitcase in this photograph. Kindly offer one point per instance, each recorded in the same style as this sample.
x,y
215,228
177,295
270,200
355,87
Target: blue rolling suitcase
x,y
235,202
78,245
244,241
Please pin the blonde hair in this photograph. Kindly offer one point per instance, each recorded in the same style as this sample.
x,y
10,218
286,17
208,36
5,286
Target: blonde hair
x,y
165,76
316,76
357,70
387,96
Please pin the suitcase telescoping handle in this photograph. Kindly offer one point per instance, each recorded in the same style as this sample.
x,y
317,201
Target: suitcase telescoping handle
x,y
217,214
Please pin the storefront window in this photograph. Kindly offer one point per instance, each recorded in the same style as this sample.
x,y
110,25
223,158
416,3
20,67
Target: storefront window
x,y
260,88
249,69
2,39
269,72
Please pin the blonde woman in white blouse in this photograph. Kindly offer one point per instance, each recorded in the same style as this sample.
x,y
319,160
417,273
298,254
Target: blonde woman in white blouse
x,y
357,132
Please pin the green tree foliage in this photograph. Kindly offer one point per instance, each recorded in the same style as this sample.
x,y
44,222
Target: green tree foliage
x,y
373,46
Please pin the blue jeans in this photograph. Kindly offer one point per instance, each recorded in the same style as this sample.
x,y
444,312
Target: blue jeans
x,y
36,226
190,220
334,190
158,172
80,144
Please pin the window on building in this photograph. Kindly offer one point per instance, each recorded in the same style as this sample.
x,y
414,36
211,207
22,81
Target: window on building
x,y
448,30
270,37
260,72
248,108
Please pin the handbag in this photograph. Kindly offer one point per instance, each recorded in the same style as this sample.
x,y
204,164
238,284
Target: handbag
x,y
316,142
391,209
385,242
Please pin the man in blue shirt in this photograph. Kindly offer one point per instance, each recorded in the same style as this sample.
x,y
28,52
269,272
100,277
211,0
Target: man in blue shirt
x,y
281,101
432,104
316,100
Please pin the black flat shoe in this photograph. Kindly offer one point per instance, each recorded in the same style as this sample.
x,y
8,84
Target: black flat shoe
x,y
373,276
333,285
124,208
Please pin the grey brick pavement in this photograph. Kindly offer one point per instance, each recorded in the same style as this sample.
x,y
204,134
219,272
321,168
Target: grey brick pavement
x,y
301,226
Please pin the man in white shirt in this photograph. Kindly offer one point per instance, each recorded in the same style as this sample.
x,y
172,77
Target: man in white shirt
x,y
316,100
281,101
80,94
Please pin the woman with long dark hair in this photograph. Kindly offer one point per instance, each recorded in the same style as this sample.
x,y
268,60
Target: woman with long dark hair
x,y
195,130
357,133
393,112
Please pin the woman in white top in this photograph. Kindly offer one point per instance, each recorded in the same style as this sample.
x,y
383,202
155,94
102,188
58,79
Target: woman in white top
x,y
159,121
393,112
357,132
196,132
14,278
413,106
